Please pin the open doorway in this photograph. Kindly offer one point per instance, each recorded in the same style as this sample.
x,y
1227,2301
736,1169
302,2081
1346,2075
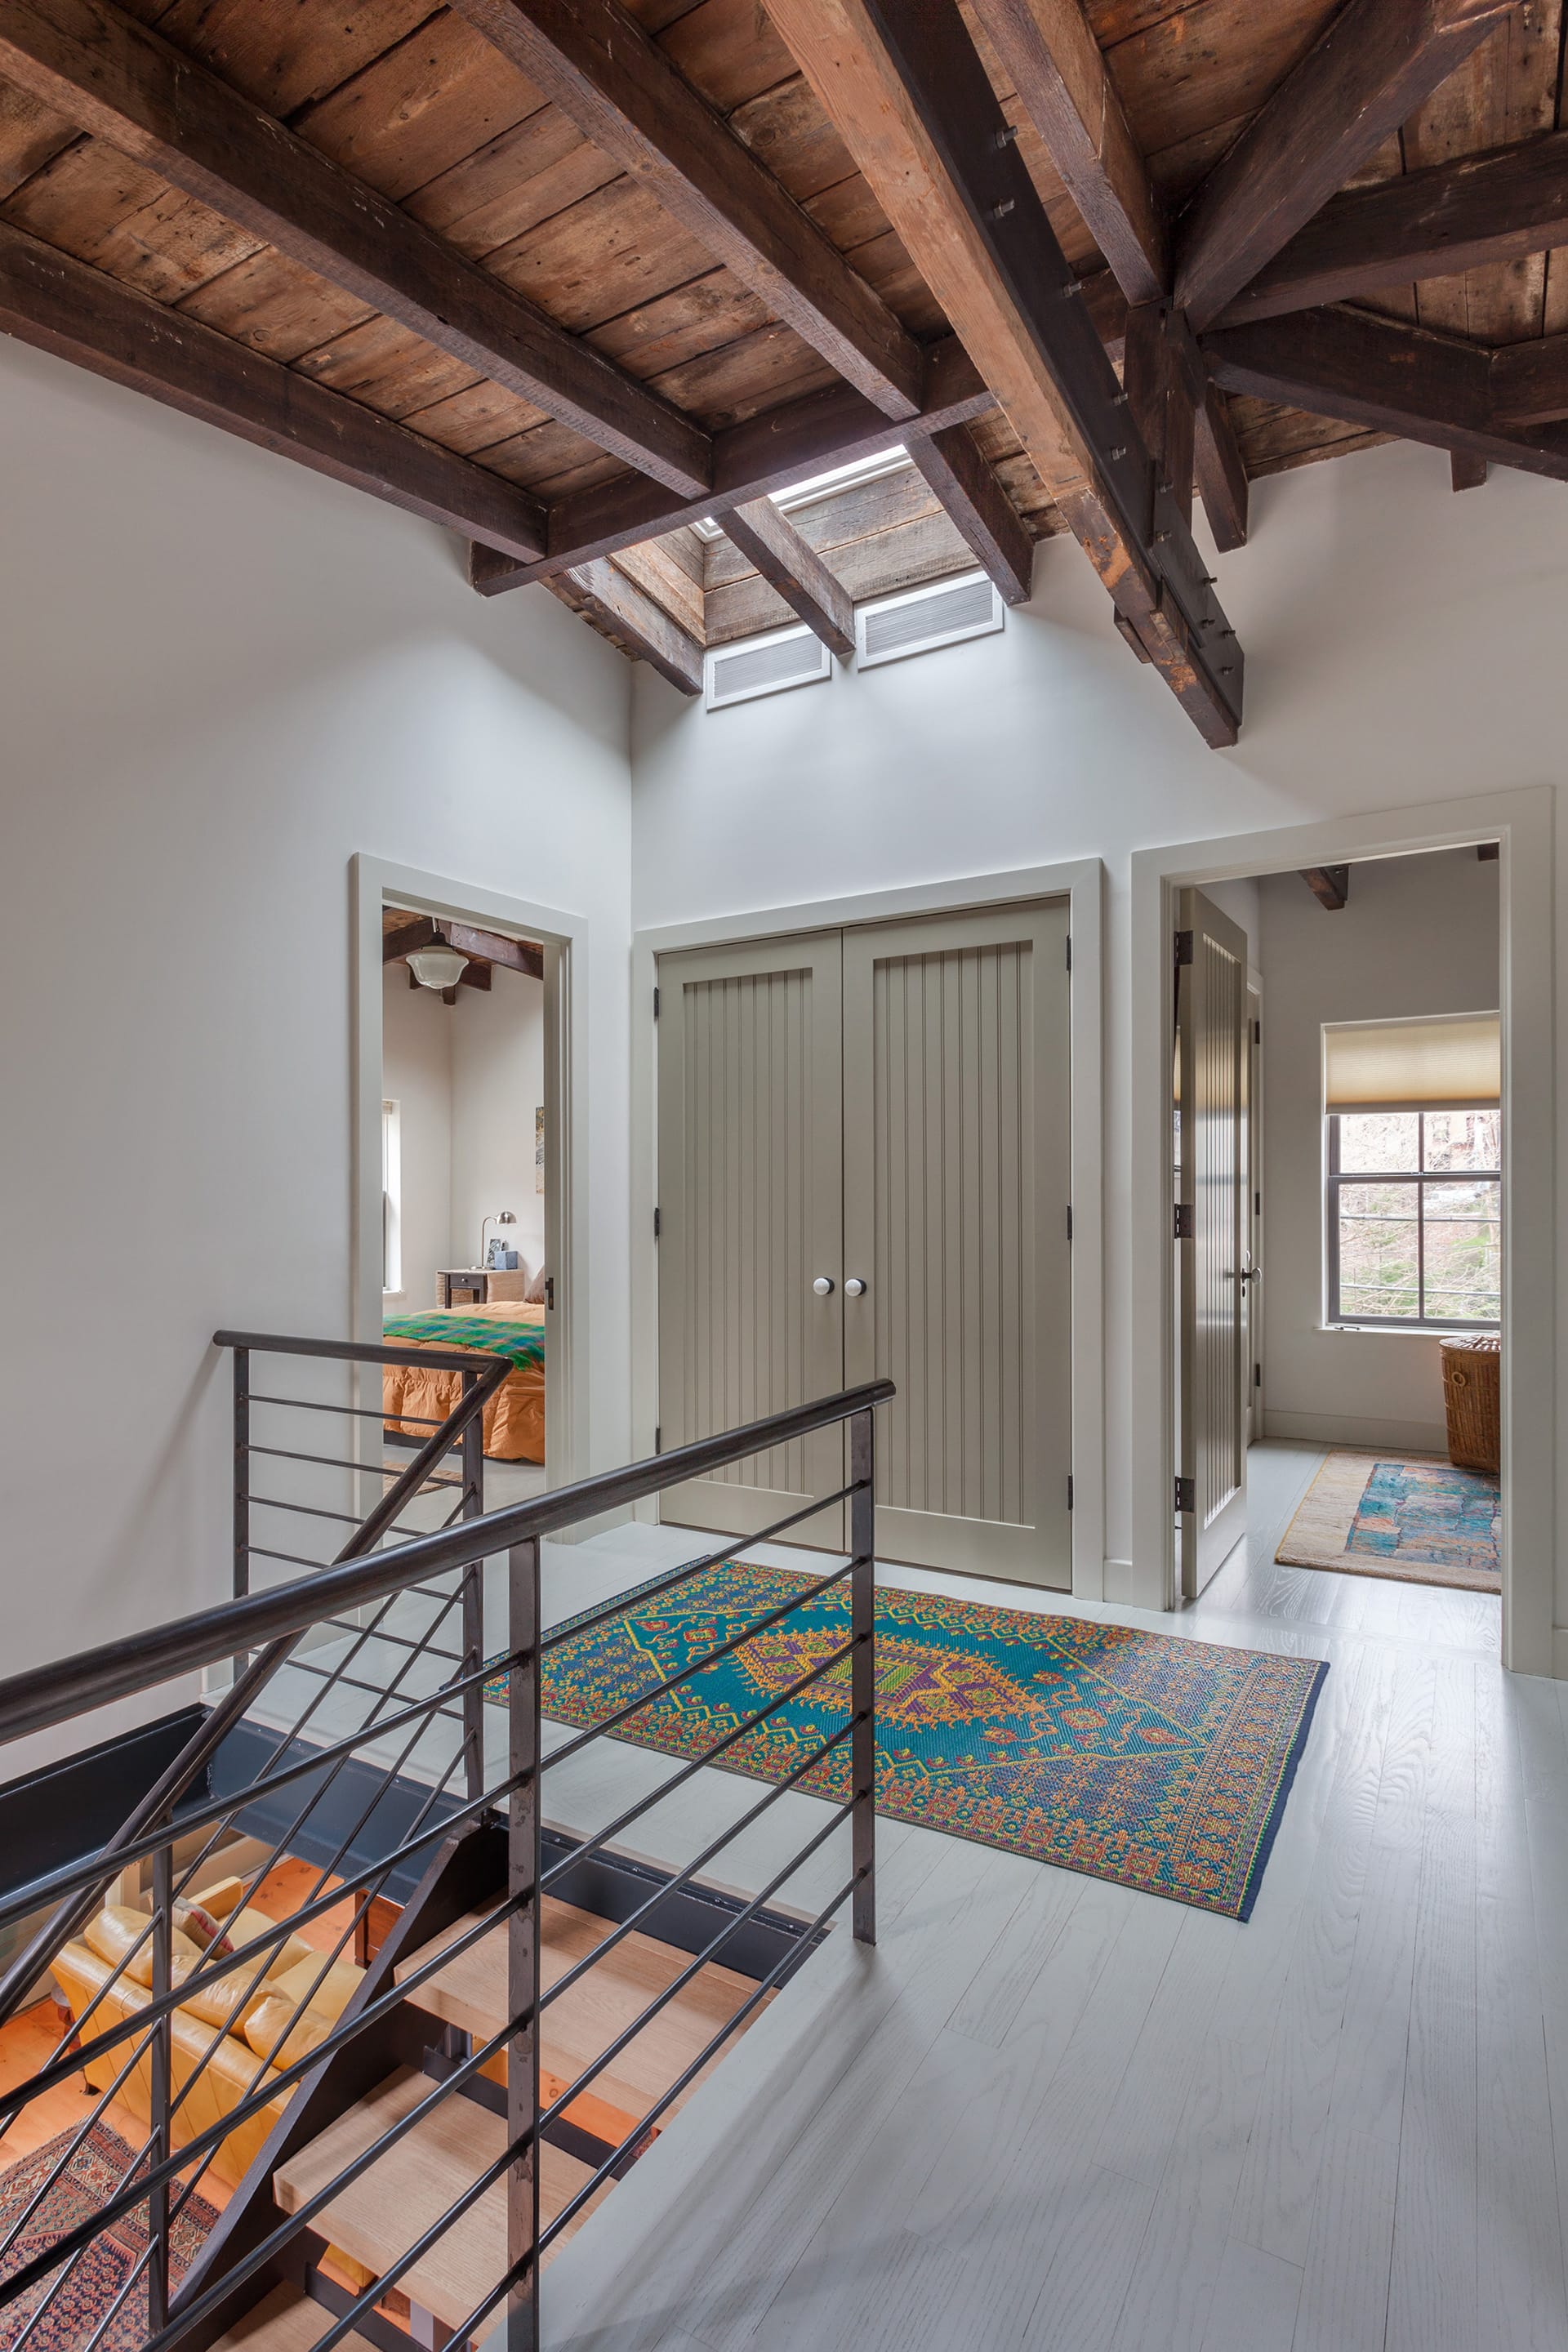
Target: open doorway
x,y
1345,1315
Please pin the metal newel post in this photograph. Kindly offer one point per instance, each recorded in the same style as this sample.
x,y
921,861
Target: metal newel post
x,y
241,1473
522,1947
863,1671
161,2056
473,1505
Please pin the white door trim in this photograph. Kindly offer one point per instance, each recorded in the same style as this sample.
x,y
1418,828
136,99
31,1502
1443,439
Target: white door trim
x,y
1082,882
1522,822
564,939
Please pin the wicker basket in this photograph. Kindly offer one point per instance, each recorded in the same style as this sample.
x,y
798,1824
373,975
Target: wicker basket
x,y
1472,1371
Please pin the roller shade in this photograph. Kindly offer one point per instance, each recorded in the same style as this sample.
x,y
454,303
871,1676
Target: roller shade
x,y
1451,1063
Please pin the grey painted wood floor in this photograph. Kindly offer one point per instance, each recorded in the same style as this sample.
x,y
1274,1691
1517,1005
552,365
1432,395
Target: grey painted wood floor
x,y
1047,2112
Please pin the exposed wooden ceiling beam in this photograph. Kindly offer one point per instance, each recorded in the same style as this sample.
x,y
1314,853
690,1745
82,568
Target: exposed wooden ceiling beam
x,y
906,88
1465,472
976,501
622,612
99,68
611,79
1330,885
62,305
1057,67
771,541
1163,376
1433,223
1221,472
768,452
483,949
1377,62
1530,382
1381,373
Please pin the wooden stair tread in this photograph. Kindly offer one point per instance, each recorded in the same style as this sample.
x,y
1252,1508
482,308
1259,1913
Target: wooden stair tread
x,y
284,2321
379,2216
471,1993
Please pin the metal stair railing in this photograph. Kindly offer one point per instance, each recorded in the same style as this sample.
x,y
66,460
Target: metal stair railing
x,y
420,1738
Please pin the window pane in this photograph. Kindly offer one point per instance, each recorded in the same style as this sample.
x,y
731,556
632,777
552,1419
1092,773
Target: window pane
x,y
1463,1253
1378,1253
1373,1140
1464,1139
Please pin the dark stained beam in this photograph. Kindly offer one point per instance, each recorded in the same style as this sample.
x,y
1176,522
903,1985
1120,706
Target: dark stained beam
x,y
623,612
1221,472
1434,223
63,306
1057,67
1162,374
1387,376
771,541
611,79
974,500
1530,382
1378,61
491,947
905,87
769,452
1465,472
1488,851
1330,885
124,84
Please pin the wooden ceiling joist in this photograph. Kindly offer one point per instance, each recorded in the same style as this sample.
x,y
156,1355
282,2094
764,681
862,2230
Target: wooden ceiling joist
x,y
1330,885
60,305
1384,375
627,614
478,946
907,91
1221,472
96,66
1434,223
1376,64
611,79
770,541
1530,382
979,506
1465,472
1049,51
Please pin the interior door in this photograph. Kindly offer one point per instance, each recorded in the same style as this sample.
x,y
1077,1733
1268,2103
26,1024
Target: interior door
x,y
1213,1227
750,1217
956,1164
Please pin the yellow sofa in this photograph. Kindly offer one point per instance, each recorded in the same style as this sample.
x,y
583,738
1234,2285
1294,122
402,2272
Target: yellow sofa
x,y
272,2009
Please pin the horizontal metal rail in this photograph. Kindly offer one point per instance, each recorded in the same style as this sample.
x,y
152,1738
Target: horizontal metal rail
x,y
342,1461
363,1352
45,1695
358,1413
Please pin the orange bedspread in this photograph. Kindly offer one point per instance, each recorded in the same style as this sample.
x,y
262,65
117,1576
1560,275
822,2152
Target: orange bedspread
x,y
514,1419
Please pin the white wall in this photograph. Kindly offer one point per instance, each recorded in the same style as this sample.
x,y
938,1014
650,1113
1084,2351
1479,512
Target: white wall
x,y
498,1084
222,677
1401,647
1418,935
417,1074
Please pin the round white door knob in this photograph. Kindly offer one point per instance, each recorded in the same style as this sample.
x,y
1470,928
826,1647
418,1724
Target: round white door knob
x,y
854,1287
823,1285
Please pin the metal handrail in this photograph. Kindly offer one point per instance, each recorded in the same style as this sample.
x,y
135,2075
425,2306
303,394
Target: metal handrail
x,y
45,1695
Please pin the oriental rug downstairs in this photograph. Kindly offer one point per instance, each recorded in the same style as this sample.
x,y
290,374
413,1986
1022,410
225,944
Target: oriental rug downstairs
x,y
101,2286
1162,1763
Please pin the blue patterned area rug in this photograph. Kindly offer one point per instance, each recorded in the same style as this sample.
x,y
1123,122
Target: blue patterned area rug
x,y
1412,1516
1161,1763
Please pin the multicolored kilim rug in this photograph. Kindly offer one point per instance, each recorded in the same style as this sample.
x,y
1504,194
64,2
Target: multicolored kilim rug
x,y
1164,1764
99,2169
1413,1516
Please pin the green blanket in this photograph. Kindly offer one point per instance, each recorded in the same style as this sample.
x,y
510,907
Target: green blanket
x,y
521,1343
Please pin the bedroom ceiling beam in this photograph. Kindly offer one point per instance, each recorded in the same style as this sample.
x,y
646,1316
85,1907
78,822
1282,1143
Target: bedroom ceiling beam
x,y
1048,49
491,947
1330,885
769,452
1434,223
64,306
629,617
127,86
1387,376
996,533
905,86
1378,61
770,541
593,59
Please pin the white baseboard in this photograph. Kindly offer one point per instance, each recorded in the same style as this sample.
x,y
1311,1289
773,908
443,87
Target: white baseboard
x,y
1346,1429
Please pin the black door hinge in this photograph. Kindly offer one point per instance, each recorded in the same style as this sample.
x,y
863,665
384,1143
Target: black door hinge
x,y
1069,1220
1187,1494
1069,953
1258,1204
658,1437
1257,1033
655,1005
1183,947
1258,1376
656,1224
1183,1221
1069,1490
550,1293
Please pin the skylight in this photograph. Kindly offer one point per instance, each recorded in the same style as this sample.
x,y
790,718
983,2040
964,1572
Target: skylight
x,y
825,486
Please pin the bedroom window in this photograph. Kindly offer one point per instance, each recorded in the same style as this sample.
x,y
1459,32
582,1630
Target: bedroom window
x,y
391,1198
1413,1181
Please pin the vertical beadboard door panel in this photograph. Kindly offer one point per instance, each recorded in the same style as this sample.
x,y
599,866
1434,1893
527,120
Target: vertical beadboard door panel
x,y
1213,1062
751,1212
956,1164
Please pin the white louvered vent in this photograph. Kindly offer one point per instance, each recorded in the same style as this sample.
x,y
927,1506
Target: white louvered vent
x,y
943,614
785,657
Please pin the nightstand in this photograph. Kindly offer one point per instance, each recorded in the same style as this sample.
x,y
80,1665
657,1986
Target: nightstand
x,y
468,1281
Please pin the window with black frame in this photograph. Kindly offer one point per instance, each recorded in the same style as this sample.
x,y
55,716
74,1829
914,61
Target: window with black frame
x,y
1413,1180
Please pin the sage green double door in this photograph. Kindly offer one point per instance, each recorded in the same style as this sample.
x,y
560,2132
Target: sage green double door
x,y
863,1172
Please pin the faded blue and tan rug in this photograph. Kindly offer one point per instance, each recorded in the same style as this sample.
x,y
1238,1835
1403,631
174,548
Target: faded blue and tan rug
x,y
1161,1763
1411,1516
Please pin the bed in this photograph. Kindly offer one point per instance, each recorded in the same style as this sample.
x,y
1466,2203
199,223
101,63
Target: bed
x,y
514,1417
